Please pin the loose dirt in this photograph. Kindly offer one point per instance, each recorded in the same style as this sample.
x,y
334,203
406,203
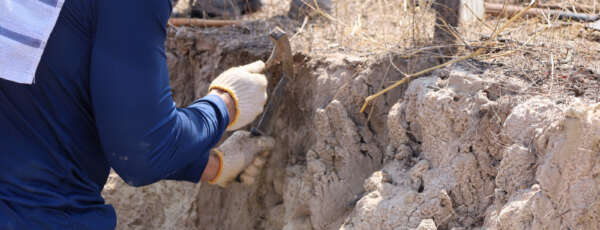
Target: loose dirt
x,y
477,145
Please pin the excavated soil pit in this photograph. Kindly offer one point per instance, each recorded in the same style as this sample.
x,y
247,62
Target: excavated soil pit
x,y
462,148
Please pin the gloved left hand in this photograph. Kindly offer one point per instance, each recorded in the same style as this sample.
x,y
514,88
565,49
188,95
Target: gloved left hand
x,y
248,88
241,154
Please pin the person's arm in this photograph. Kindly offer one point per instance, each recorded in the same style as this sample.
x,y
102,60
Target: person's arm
x,y
212,168
214,165
144,136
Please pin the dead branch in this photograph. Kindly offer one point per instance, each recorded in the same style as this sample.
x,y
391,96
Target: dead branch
x,y
509,10
578,7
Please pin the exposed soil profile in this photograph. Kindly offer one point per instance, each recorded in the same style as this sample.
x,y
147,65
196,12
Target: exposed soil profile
x,y
470,146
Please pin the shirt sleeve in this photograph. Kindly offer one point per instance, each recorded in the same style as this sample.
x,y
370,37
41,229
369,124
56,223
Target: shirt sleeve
x,y
144,136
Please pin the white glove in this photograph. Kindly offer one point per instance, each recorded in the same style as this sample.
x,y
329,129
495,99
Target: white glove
x,y
241,154
248,88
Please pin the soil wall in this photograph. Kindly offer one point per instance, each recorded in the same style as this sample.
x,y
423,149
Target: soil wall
x,y
459,149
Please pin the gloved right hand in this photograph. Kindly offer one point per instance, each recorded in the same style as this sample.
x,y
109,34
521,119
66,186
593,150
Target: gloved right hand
x,y
241,154
248,88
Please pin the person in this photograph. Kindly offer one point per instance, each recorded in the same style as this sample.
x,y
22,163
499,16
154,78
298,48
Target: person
x,y
101,99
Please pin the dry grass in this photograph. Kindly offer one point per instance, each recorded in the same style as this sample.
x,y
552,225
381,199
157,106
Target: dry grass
x,y
544,52
547,53
361,27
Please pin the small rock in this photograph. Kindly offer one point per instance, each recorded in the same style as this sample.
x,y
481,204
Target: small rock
x,y
223,8
301,8
426,224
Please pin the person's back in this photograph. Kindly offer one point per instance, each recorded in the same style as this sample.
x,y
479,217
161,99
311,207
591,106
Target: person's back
x,y
49,125
103,67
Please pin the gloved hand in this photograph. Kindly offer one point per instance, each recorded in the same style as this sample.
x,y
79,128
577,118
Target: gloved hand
x,y
241,154
248,88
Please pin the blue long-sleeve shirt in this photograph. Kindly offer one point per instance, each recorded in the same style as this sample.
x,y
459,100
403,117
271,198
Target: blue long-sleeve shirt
x,y
101,99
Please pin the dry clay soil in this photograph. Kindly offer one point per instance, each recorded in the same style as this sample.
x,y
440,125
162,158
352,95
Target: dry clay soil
x,y
464,147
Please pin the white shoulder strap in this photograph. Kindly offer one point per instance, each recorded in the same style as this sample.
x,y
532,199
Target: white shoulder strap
x,y
25,26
